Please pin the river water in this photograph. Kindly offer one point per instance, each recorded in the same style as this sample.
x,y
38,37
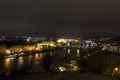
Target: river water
x,y
35,62
40,62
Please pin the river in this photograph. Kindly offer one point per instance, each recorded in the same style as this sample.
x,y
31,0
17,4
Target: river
x,y
37,62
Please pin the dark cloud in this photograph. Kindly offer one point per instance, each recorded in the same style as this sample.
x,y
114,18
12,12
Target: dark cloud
x,y
60,17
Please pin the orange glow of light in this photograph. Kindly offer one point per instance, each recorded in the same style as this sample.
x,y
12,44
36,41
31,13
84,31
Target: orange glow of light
x,y
41,55
116,69
37,48
20,60
36,56
8,51
62,40
20,50
30,48
59,40
75,68
52,45
7,63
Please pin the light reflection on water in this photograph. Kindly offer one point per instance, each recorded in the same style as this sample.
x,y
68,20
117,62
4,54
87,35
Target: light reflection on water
x,y
33,62
36,56
20,61
68,51
30,59
30,63
78,52
7,63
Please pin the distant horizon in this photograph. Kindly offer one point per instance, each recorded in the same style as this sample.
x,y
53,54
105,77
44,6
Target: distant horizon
x,y
61,36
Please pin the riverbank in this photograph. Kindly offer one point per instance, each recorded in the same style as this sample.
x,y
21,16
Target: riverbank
x,y
17,54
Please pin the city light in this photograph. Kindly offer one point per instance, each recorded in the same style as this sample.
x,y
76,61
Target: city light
x,y
8,51
63,55
78,52
68,51
62,69
62,40
28,40
116,69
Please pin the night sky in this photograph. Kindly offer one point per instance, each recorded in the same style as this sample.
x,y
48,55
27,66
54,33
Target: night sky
x,y
60,17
